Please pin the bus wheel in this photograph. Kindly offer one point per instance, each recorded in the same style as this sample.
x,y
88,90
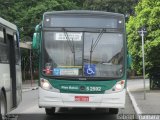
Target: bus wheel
x,y
113,110
3,106
50,111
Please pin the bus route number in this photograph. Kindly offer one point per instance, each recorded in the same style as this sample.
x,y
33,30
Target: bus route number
x,y
93,89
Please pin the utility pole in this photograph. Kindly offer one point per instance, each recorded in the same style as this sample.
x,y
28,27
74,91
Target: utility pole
x,y
31,67
142,33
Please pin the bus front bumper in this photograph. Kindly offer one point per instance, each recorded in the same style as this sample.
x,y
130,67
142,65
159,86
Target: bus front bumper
x,y
48,99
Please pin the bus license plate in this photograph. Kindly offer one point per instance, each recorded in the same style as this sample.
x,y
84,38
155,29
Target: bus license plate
x,y
82,98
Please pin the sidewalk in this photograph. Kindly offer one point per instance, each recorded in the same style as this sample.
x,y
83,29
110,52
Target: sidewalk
x,y
136,92
28,85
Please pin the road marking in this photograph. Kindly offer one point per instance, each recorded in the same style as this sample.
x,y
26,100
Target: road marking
x,y
135,105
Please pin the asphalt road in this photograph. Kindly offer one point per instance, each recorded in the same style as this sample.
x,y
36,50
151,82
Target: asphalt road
x,y
28,110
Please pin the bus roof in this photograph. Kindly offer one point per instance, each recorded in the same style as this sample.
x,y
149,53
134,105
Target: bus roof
x,y
8,24
89,12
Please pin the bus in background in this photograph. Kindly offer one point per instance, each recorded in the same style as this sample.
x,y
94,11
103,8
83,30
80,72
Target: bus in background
x,y
83,60
10,68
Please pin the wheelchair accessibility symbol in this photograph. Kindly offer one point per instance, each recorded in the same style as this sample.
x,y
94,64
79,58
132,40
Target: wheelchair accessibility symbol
x,y
89,69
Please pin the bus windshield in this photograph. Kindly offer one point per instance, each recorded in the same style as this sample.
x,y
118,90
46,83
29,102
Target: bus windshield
x,y
76,53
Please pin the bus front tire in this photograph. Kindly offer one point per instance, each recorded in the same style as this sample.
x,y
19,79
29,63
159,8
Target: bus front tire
x,y
113,110
3,106
50,111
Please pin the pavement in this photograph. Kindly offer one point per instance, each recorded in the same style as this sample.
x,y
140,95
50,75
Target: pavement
x,y
148,108
29,85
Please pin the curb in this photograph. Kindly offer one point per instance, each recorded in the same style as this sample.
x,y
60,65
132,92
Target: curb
x,y
135,105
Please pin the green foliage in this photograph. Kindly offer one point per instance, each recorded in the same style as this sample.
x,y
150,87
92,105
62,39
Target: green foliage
x,y
148,15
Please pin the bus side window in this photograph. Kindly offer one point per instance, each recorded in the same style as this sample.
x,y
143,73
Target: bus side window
x,y
3,49
1,35
1,41
16,48
4,33
16,40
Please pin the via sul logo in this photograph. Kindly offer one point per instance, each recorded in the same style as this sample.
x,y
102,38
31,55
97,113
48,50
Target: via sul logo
x,y
89,69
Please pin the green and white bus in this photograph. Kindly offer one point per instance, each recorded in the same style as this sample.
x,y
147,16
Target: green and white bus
x,y
83,60
10,68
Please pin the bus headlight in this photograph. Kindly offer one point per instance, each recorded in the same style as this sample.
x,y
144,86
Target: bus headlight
x,y
47,86
119,86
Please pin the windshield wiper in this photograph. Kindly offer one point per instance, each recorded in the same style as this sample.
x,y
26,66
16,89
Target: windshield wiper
x,y
70,43
93,45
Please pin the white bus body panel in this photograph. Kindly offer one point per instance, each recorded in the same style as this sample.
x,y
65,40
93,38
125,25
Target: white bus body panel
x,y
5,82
19,84
48,99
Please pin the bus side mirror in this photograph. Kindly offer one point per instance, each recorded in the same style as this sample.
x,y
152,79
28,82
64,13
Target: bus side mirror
x,y
129,61
35,42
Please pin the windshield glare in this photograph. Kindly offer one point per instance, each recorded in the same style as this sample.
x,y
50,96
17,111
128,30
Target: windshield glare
x,y
83,54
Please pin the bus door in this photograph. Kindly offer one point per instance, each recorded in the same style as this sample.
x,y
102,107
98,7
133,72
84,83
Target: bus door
x,y
12,62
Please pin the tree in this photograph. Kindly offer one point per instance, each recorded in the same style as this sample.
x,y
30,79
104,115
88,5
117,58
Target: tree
x,y
119,6
26,14
148,15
